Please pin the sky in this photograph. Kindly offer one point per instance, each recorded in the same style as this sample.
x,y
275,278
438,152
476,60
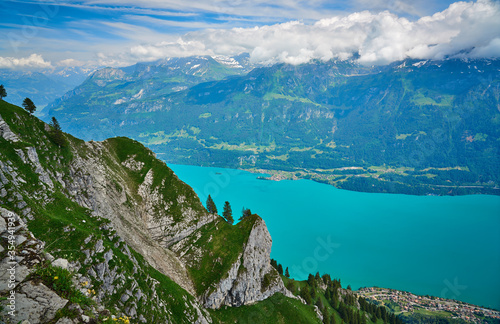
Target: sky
x,y
41,34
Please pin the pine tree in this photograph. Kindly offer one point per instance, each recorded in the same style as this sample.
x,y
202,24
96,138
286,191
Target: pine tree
x,y
29,105
363,319
211,208
56,133
313,293
310,280
280,269
291,286
306,294
320,305
245,213
3,92
228,213
287,274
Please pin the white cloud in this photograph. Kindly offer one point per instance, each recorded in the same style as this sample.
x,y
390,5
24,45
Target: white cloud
x,y
289,9
33,61
412,7
378,38
489,51
70,63
464,29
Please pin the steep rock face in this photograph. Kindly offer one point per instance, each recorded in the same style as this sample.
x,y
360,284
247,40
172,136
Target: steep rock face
x,y
162,225
32,157
250,278
147,205
32,301
6,133
92,186
258,279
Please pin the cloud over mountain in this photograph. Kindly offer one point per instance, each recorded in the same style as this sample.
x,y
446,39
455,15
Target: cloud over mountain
x,y
33,61
463,29
115,33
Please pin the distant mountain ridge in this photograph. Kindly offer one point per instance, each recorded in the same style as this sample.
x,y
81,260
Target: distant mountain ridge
x,y
414,126
115,86
44,86
104,232
41,86
139,238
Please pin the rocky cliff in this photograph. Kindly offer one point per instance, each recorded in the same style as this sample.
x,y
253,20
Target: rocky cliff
x,y
249,276
135,240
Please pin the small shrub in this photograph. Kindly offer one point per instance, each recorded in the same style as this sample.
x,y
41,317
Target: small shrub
x,y
267,280
59,280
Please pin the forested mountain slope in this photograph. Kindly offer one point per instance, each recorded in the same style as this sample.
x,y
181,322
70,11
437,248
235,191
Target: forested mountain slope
x,y
414,127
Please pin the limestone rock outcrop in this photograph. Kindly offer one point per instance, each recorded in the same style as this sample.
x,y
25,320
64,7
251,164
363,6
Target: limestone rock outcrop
x,y
6,133
37,304
135,203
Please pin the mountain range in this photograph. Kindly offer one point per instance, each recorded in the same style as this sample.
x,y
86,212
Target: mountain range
x,y
42,86
417,127
104,232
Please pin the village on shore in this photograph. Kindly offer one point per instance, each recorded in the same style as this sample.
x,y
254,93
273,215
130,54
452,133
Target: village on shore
x,y
407,304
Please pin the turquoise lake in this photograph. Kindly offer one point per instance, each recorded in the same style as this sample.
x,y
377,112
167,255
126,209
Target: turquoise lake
x,y
442,246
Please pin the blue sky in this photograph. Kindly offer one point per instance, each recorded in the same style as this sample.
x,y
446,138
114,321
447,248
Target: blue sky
x,y
41,33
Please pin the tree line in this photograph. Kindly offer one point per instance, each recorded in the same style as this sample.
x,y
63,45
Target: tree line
x,y
227,213
56,134
333,301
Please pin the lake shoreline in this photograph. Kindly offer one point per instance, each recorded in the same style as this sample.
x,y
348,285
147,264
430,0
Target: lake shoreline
x,y
407,304
365,238
378,185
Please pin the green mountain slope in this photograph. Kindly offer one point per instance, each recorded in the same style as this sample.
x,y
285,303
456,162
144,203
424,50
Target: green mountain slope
x,y
36,180
39,87
412,127
122,226
103,232
110,88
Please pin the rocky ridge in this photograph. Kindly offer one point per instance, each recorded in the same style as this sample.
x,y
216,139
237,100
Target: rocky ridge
x,y
127,215
256,280
250,278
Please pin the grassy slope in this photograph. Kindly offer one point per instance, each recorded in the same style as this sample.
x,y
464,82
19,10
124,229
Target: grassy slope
x,y
53,219
221,244
274,310
171,187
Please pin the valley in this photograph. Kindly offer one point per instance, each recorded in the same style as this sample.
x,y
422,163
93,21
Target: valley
x,y
133,243
404,242
249,162
417,127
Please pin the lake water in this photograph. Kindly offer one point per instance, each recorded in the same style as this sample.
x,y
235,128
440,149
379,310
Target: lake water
x,y
442,246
